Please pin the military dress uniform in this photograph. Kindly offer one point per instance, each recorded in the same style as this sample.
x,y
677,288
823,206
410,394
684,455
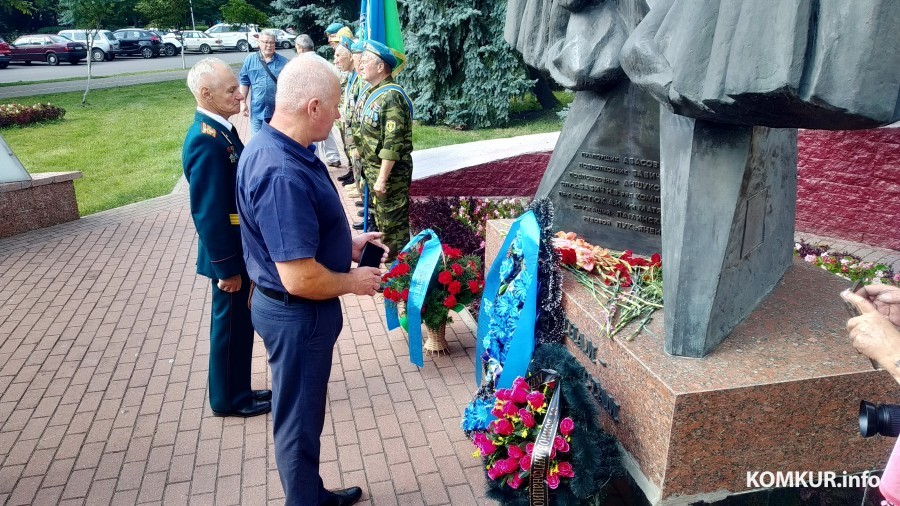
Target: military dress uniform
x,y
209,157
385,133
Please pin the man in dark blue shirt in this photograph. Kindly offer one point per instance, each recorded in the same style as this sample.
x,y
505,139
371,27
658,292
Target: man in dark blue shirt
x,y
259,76
298,251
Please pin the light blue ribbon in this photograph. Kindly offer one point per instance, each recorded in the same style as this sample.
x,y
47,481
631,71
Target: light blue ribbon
x,y
521,345
418,287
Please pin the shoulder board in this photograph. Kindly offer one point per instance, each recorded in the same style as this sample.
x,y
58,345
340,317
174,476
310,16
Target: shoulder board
x,y
384,89
208,130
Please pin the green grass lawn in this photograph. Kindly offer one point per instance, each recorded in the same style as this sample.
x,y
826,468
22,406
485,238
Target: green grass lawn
x,y
127,141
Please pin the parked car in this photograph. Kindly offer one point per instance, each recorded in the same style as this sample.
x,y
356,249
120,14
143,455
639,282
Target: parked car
x,y
283,39
48,48
5,52
195,40
240,37
135,41
171,41
103,47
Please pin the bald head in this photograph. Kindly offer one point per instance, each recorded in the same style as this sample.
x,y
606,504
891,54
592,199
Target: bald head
x,y
304,78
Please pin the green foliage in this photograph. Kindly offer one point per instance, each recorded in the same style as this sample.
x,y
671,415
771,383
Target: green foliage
x,y
87,13
239,11
165,13
312,18
460,71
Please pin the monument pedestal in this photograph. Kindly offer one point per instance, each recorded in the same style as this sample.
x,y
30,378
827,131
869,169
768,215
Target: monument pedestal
x,y
781,393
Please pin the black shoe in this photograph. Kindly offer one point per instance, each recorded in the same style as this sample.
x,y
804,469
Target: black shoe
x,y
346,176
358,225
358,203
361,213
344,497
349,182
336,163
255,408
262,395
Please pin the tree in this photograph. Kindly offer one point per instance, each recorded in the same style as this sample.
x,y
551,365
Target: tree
x,y
459,70
239,11
165,13
312,18
90,15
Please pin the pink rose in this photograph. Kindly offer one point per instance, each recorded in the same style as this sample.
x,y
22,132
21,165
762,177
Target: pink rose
x,y
525,463
494,473
566,426
515,452
529,448
504,394
527,418
553,481
509,409
509,465
535,399
484,445
502,427
514,481
520,391
498,410
560,444
566,470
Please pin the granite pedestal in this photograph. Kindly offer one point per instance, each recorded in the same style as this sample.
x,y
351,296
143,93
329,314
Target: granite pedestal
x,y
781,393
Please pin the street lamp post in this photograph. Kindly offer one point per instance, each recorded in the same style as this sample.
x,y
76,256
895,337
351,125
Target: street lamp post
x,y
193,24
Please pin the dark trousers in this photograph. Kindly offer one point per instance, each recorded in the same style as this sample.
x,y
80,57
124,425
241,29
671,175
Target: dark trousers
x,y
299,339
230,349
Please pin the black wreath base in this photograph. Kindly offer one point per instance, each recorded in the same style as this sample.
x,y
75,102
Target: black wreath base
x,y
593,456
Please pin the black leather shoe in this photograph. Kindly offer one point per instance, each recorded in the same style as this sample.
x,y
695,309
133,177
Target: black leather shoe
x,y
358,203
346,176
360,213
358,225
349,182
262,395
255,408
344,497
336,163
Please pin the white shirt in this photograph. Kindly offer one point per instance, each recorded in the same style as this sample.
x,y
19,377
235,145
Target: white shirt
x,y
228,126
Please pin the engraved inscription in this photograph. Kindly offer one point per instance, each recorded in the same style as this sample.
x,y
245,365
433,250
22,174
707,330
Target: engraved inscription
x,y
619,191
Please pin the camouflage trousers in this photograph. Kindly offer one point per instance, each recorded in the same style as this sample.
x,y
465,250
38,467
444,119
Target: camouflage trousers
x,y
392,211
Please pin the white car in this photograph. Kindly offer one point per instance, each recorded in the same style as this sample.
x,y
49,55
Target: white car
x,y
283,39
195,40
171,43
240,37
104,45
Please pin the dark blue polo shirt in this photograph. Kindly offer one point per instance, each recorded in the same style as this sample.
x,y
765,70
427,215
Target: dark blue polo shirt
x,y
289,208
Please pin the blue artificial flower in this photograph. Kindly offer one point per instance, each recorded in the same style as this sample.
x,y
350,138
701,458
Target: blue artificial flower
x,y
477,415
506,268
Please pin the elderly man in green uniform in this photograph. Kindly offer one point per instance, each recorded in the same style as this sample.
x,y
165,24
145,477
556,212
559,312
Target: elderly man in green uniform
x,y
210,156
385,146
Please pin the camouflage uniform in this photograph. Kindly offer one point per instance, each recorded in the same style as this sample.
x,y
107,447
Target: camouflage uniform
x,y
349,100
385,132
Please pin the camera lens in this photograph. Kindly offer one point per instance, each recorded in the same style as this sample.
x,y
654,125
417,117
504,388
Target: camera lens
x,y
881,419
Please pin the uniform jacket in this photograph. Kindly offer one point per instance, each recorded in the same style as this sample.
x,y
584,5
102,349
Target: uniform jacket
x,y
209,158
385,128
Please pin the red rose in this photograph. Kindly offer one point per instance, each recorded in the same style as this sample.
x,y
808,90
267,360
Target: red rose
x,y
560,444
450,302
553,481
454,287
445,277
569,257
565,470
405,294
504,394
402,257
566,426
509,410
514,452
502,427
457,269
474,287
525,462
656,259
536,399
515,481
401,269
527,418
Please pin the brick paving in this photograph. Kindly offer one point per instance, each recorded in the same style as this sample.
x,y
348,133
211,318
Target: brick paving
x,y
104,349
103,370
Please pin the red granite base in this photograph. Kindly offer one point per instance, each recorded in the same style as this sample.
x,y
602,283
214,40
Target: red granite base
x,y
47,199
781,393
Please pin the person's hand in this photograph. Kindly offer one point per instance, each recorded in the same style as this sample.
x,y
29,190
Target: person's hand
x,y
380,187
244,109
873,335
230,285
365,280
886,300
359,242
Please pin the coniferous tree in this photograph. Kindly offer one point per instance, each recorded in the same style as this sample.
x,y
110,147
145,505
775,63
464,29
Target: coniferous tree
x,y
312,17
460,71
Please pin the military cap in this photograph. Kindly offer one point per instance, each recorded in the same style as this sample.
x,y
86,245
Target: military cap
x,y
358,47
333,28
391,57
347,42
341,33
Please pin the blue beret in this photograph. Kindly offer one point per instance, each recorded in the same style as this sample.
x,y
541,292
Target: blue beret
x,y
347,42
358,47
391,57
333,28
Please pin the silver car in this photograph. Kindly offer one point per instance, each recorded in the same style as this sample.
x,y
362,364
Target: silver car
x,y
283,39
104,45
195,40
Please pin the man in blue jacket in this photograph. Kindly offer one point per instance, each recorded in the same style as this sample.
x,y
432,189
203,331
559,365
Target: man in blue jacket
x,y
210,156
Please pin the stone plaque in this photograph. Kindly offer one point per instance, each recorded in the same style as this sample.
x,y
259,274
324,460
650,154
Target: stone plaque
x,y
604,176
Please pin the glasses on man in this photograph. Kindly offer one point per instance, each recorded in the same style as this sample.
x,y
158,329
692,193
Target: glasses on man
x,y
267,42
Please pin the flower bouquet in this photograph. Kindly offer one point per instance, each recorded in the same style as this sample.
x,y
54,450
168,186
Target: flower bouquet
x,y
508,443
846,265
457,282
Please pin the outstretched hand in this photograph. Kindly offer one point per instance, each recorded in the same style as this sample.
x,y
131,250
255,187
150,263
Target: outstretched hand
x,y
873,334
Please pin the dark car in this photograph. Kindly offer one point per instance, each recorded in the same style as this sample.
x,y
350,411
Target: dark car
x,y
5,52
134,41
49,48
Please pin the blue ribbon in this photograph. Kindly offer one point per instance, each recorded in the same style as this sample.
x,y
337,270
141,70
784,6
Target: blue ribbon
x,y
418,287
521,345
